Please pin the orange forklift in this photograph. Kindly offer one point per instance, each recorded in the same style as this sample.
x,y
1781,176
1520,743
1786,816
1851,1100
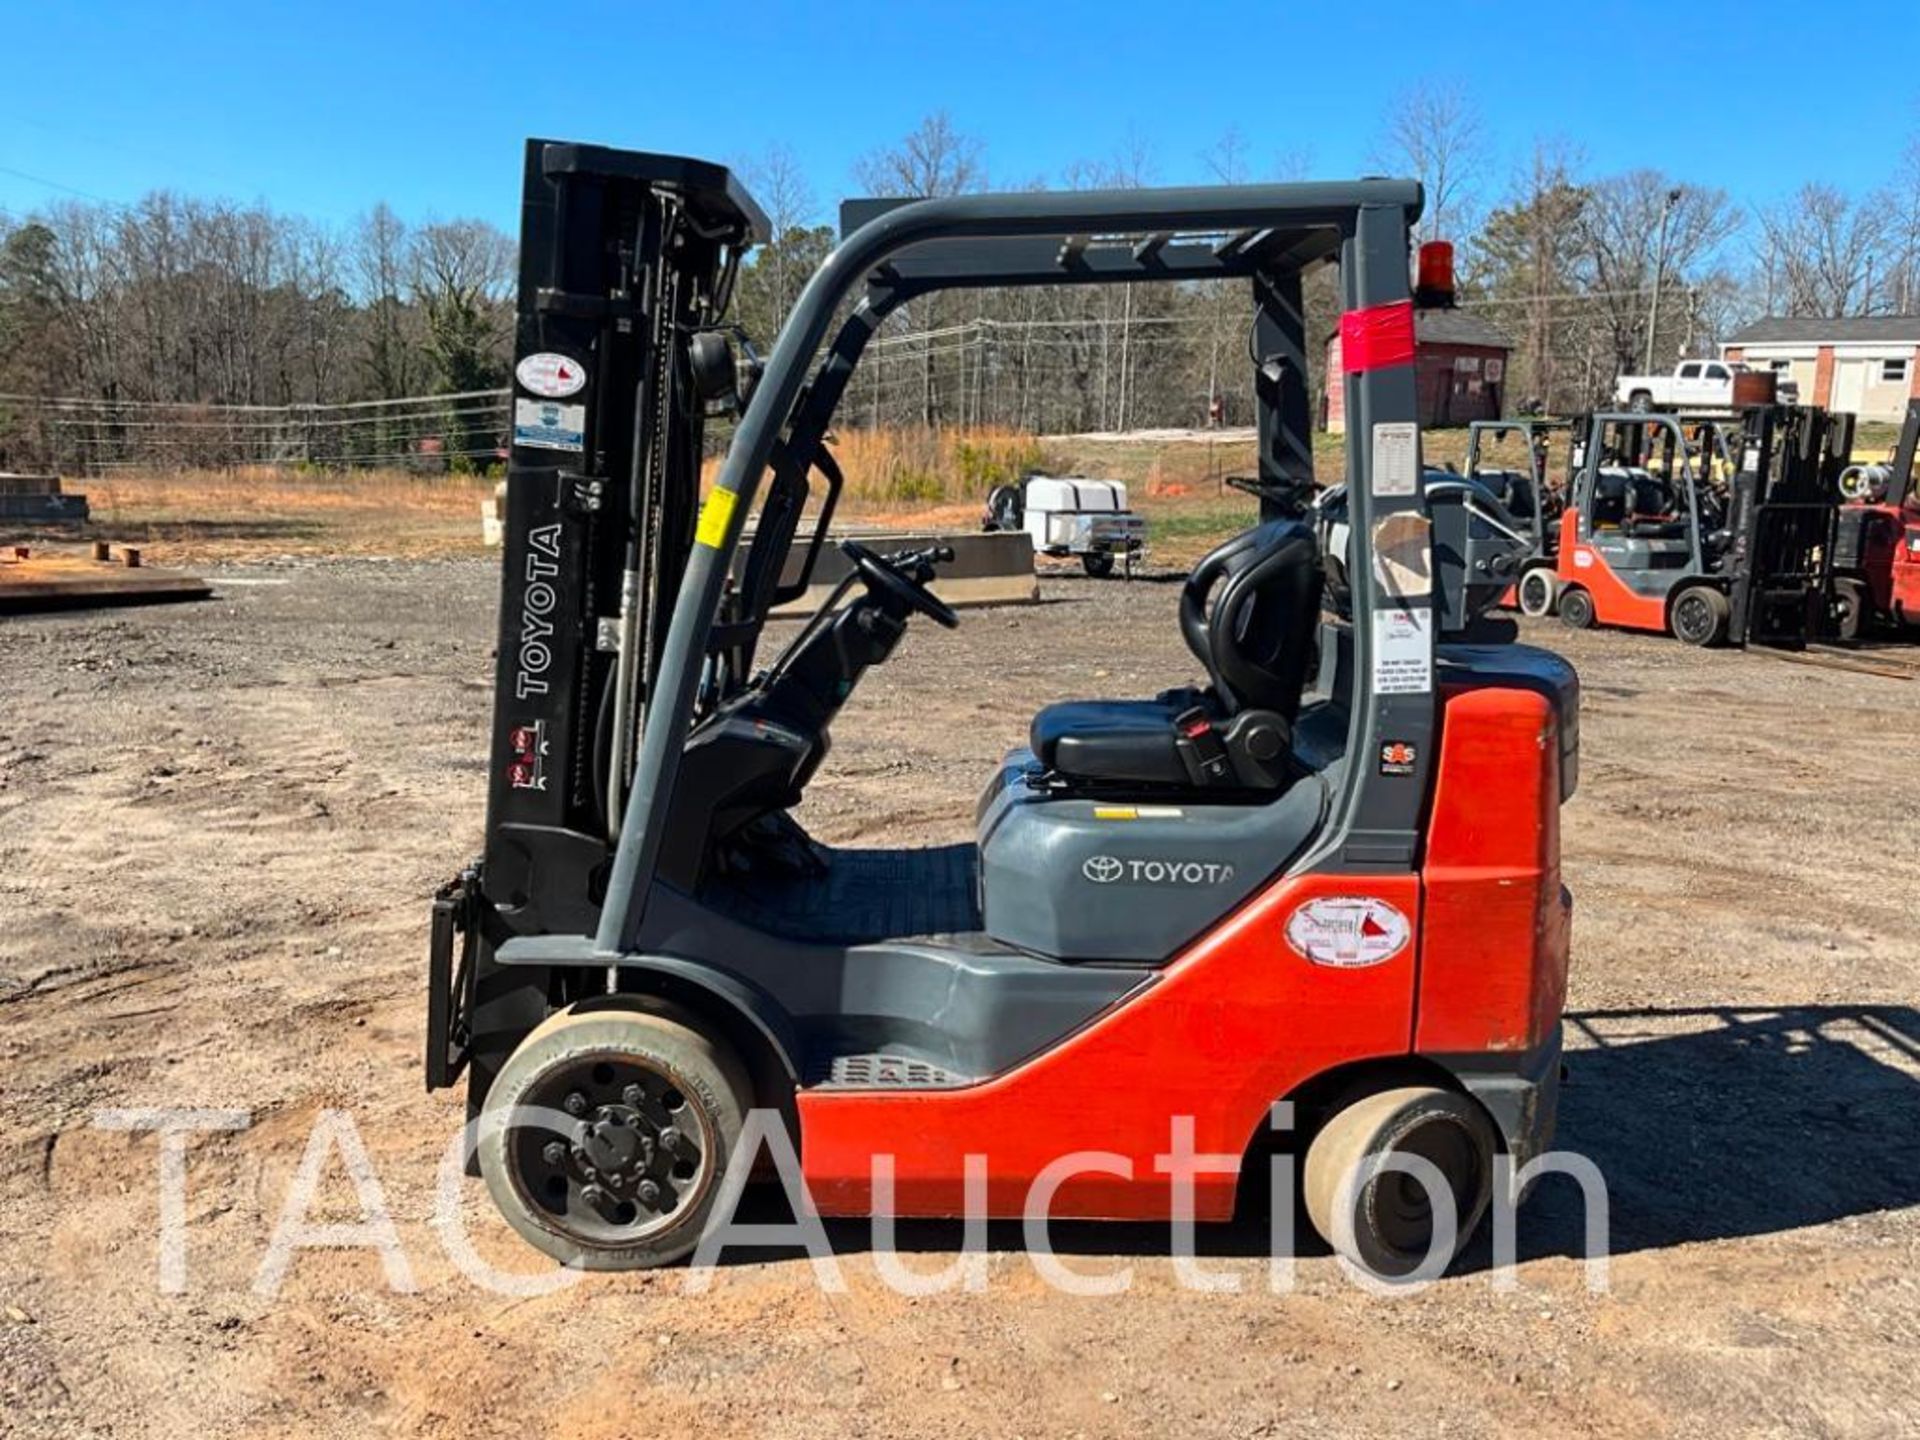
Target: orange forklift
x,y
1658,536
1325,873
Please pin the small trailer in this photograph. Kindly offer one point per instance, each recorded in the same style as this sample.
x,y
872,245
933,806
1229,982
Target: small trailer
x,y
1071,515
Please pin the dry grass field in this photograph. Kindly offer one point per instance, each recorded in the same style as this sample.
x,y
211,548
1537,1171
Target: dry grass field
x,y
197,517
910,478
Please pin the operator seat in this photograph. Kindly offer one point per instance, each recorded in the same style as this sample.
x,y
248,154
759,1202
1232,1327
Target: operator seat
x,y
1255,640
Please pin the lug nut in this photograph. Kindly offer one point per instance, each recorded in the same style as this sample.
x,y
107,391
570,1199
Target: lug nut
x,y
633,1095
593,1195
576,1104
555,1153
649,1193
670,1138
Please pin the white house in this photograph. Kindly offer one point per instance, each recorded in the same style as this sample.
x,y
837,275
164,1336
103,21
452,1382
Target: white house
x,y
1866,365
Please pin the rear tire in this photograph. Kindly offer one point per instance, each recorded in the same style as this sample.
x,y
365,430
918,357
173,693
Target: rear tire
x,y
1388,1220
1537,591
1851,607
1576,608
1699,615
1640,402
1098,563
630,1180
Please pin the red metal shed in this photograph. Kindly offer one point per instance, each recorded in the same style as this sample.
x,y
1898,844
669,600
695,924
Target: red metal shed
x,y
1462,371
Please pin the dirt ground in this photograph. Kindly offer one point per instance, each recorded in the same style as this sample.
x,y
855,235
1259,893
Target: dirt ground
x,y
219,827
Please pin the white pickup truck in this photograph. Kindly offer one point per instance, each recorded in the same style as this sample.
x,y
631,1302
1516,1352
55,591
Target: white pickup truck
x,y
1693,385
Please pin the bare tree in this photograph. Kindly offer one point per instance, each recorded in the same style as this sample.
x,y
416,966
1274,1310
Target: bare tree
x,y
1824,243
313,263
1524,265
1904,231
1621,244
1226,160
933,159
378,263
781,186
1434,132
461,270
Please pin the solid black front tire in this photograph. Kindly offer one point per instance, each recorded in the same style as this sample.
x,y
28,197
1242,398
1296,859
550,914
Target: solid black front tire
x,y
1576,609
1851,607
1700,615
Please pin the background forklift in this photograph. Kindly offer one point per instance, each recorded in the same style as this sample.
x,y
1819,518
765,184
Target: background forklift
x,y
1877,542
1525,484
1327,873
1656,538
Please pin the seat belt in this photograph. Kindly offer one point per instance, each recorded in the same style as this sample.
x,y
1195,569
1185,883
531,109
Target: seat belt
x,y
1201,749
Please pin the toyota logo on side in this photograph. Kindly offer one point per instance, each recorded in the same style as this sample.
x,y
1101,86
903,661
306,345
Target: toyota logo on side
x,y
1102,869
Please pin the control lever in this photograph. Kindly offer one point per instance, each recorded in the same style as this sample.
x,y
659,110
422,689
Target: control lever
x,y
1295,497
919,563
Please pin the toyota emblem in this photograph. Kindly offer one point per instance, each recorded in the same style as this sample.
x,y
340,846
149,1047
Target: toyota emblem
x,y
1102,869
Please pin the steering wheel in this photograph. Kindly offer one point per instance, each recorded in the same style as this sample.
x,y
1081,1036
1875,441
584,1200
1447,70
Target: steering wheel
x,y
884,575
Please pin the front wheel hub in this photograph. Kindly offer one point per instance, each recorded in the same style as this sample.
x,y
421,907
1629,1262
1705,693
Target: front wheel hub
x,y
638,1150
619,1142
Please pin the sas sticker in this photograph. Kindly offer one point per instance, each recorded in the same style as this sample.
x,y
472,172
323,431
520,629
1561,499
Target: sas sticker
x,y
1397,757
1347,932
550,375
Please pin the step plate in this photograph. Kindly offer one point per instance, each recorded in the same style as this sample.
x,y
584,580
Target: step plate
x,y
882,1072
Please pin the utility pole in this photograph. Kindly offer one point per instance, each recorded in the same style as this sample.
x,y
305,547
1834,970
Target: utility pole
x,y
1866,305
1659,273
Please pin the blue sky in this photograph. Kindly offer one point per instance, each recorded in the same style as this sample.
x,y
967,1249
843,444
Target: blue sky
x,y
323,109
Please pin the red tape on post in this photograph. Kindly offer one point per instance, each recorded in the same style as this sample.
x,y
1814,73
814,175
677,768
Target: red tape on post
x,y
1377,338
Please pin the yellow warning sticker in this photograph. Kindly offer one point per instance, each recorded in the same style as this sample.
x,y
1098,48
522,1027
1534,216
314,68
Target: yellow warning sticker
x,y
1115,812
714,515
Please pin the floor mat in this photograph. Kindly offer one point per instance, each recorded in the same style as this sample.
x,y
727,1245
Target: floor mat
x,y
865,895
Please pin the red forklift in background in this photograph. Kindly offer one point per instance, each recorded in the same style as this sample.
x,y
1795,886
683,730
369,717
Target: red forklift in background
x,y
1658,537
1877,544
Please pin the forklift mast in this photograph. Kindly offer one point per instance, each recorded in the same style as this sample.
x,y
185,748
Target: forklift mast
x,y
1782,517
1903,492
625,260
627,263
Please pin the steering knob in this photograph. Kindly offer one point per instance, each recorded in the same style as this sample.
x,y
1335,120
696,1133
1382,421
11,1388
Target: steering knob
x,y
940,554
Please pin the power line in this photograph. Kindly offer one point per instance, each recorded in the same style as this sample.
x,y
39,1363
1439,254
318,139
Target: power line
x,y
66,189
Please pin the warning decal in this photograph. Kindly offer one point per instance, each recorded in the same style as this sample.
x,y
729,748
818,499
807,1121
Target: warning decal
x,y
1396,457
548,425
1348,932
1402,652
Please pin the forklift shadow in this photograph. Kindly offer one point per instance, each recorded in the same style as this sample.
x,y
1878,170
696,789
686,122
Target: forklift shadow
x,y
1723,1122
1707,1124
